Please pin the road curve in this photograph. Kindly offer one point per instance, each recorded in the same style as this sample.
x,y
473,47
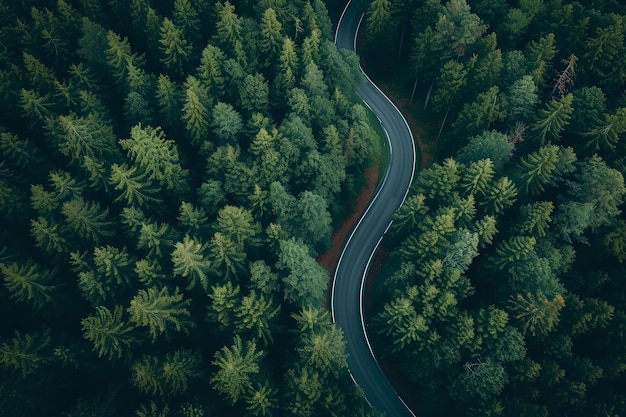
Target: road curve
x,y
362,244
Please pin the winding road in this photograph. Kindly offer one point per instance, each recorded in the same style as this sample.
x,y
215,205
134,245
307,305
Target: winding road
x,y
362,244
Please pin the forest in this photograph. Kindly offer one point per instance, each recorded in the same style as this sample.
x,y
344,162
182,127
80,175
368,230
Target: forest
x,y
169,172
502,292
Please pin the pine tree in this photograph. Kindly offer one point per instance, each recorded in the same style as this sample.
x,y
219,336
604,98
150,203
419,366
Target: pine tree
x,y
256,315
500,196
553,119
29,284
156,156
108,333
161,311
536,312
190,262
87,219
47,236
271,36
237,366
515,249
27,353
196,115
175,49
262,400
134,187
224,299
324,351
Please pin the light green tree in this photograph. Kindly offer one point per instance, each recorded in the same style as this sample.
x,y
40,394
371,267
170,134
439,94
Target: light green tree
x,y
262,400
29,284
109,334
552,119
134,187
256,315
237,366
324,350
190,261
224,299
161,311
156,156
87,219
536,313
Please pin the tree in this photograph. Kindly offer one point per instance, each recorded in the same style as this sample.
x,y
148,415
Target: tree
x,y
109,334
157,239
535,218
515,249
536,312
228,31
605,45
500,196
477,177
400,320
87,219
210,70
492,145
194,219
254,93
312,319
409,215
475,117
119,56
306,281
47,236
256,315
607,132
480,382
190,261
237,366
592,198
324,350
522,98
156,156
161,311
135,188
540,55
78,137
29,284
262,400
456,29
169,102
196,114
27,353
227,123
452,77
378,22
227,257
179,369
553,119
224,299
187,18
538,169
271,41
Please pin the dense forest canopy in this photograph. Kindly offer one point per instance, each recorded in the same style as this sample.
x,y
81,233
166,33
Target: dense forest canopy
x,y
503,293
169,171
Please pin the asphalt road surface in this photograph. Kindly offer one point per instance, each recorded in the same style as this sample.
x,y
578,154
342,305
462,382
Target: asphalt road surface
x,y
362,244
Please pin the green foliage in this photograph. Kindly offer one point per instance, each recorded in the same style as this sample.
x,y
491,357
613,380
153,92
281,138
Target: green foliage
x,y
29,284
161,311
109,335
150,146
237,366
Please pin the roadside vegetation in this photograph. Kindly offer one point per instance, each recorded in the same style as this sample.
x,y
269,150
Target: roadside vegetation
x,y
169,170
503,291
